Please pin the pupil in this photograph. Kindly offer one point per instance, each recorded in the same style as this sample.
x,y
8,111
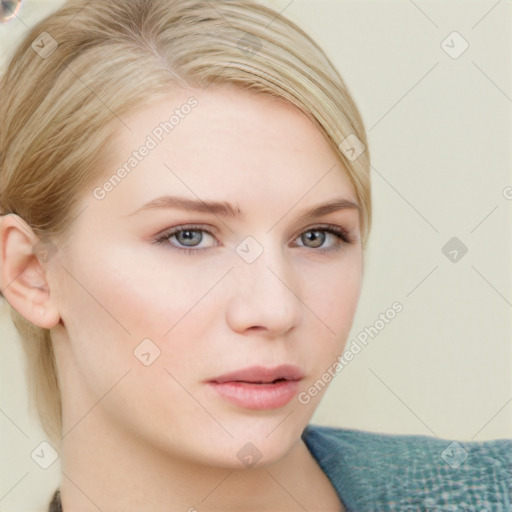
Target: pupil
x,y
189,237
317,238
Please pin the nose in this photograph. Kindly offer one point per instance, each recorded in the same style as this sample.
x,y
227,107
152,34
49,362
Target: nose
x,y
265,297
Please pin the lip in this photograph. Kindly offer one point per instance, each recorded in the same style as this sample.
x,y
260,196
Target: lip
x,y
262,374
259,387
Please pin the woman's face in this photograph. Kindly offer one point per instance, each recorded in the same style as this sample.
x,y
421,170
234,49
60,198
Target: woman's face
x,y
173,338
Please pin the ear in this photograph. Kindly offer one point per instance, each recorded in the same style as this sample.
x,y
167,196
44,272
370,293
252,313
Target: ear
x,y
23,274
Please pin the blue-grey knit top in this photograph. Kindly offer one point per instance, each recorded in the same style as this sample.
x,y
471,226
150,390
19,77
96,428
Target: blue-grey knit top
x,y
410,473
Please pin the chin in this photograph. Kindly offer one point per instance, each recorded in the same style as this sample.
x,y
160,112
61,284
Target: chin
x,y
247,455
256,443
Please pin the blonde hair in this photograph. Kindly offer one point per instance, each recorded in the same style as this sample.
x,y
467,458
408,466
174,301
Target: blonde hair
x,y
65,92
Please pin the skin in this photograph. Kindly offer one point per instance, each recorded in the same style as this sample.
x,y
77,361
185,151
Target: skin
x,y
156,437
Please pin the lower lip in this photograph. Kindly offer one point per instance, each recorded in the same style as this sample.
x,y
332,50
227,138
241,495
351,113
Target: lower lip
x,y
257,396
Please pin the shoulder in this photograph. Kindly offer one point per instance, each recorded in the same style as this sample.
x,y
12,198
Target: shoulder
x,y
413,472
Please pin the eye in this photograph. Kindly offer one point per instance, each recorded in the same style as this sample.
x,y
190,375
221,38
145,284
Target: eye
x,y
188,238
196,239
316,238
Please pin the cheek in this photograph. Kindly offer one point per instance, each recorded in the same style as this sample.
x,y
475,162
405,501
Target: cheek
x,y
125,304
111,308
334,290
333,298
131,292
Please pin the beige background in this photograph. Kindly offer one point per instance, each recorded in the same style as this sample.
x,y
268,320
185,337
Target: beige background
x,y
440,138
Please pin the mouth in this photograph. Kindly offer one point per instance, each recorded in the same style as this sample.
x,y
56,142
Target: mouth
x,y
259,387
262,375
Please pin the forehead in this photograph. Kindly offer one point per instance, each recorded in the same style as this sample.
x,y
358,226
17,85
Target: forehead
x,y
224,142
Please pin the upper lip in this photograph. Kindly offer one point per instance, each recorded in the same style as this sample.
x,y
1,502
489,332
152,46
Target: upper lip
x,y
262,374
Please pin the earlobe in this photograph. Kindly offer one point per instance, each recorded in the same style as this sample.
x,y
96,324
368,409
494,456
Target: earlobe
x,y
23,276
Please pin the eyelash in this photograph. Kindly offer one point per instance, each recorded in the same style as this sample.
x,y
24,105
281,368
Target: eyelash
x,y
338,231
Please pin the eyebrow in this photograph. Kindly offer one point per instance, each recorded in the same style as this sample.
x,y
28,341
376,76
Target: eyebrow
x,y
226,209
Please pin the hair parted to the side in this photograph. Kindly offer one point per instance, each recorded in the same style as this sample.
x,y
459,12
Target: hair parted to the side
x,y
59,113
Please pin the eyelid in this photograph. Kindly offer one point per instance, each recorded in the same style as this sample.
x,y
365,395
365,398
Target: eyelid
x,y
164,235
185,227
342,236
334,228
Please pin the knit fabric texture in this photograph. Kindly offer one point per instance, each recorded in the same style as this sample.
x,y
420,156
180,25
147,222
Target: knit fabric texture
x,y
374,472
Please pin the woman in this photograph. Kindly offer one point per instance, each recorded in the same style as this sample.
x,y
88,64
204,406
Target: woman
x,y
186,203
